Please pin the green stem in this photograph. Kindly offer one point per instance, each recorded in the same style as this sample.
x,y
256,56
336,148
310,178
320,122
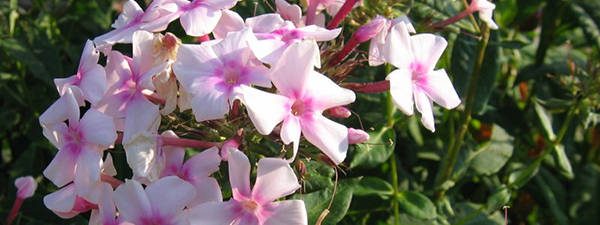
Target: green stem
x,y
390,110
449,159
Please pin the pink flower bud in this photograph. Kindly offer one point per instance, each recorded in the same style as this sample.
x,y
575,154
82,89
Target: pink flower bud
x,y
357,136
25,187
339,112
371,29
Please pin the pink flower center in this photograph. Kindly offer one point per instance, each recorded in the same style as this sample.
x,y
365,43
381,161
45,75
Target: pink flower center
x,y
194,4
298,108
231,76
249,206
154,220
74,136
419,72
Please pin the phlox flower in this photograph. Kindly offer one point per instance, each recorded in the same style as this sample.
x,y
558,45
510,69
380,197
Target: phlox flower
x,y
80,143
26,187
200,17
415,81
133,18
303,95
105,213
90,80
213,72
379,48
128,79
162,202
66,203
486,11
275,179
289,12
196,171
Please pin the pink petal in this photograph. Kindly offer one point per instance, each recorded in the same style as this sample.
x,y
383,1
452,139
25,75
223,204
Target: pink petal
x,y
143,156
248,219
107,166
290,130
118,70
142,116
239,173
326,93
439,88
268,50
202,164
318,33
288,11
207,190
61,169
275,179
424,106
65,108
289,212
265,23
233,43
143,51
401,89
193,62
208,104
54,133
62,83
169,195
230,21
265,110
87,174
132,201
329,136
427,49
26,187
61,200
98,128
173,156
89,56
106,207
290,78
220,4
200,21
93,83
213,213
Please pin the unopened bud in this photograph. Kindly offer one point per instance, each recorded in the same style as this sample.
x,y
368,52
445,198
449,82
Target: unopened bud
x,y
339,112
371,29
357,136
26,186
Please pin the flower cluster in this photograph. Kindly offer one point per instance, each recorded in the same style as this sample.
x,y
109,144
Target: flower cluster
x,y
267,64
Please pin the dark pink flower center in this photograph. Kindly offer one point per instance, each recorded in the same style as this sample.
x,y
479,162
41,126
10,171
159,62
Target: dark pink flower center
x,y
249,205
298,108
419,72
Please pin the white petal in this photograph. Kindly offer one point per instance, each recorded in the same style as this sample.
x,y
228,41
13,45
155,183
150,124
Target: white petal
x,y
213,213
329,136
289,212
132,201
239,173
98,128
401,89
326,93
265,110
425,107
439,88
265,23
200,21
141,116
290,78
275,179
427,49
230,21
169,195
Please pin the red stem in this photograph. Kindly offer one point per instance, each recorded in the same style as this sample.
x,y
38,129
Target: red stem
x,y
114,182
14,211
203,38
183,142
348,47
454,19
374,87
344,11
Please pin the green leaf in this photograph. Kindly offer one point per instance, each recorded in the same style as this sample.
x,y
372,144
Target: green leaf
x,y
318,176
520,177
464,54
498,199
492,156
373,186
376,151
21,53
558,152
416,204
550,198
590,27
473,214
316,202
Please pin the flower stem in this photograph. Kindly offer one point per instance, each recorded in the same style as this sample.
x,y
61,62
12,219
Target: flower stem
x,y
449,160
341,14
390,110
184,142
370,88
14,211
451,20
348,47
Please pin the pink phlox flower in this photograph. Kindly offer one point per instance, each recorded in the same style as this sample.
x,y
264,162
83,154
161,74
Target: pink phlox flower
x,y
146,156
486,11
379,48
90,78
156,18
162,202
291,12
80,142
415,81
303,95
128,79
213,72
26,187
200,17
65,202
106,212
196,170
275,179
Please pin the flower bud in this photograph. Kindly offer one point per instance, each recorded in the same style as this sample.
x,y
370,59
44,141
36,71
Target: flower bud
x,y
357,136
371,29
25,187
339,112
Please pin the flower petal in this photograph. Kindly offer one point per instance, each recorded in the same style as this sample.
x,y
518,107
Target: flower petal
x,y
202,164
87,175
207,190
400,51
290,78
230,21
169,195
401,89
132,201
93,83
65,108
200,21
142,116
427,49
326,93
289,212
425,107
239,173
98,128
275,179
61,200
329,136
265,110
61,169
439,88
265,23
213,213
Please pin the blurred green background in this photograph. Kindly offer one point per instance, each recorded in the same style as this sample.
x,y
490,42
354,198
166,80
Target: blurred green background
x,y
540,80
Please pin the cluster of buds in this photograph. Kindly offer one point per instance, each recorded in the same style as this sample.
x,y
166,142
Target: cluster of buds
x,y
266,64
